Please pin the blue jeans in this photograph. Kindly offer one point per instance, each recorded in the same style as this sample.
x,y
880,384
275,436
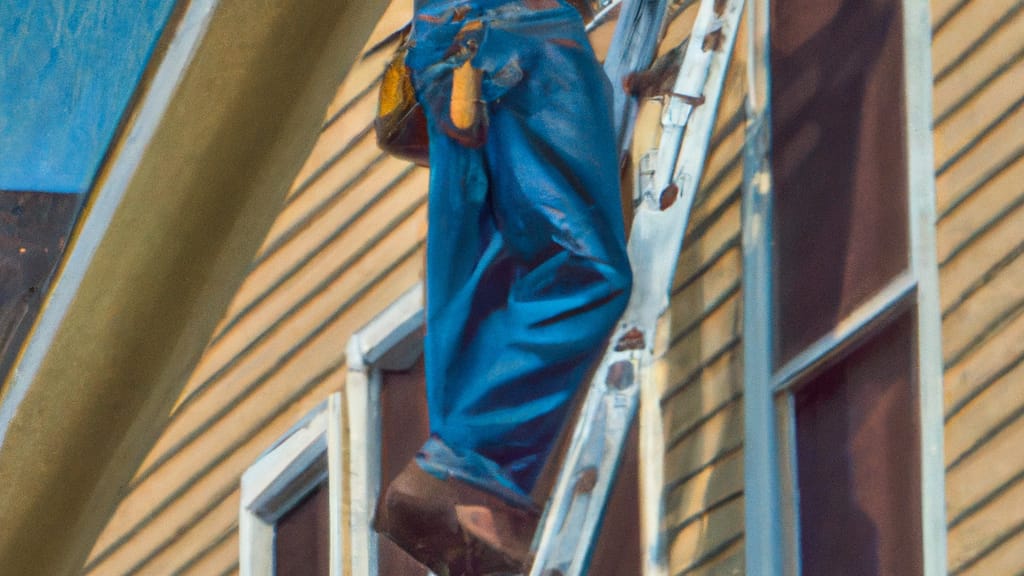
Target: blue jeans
x,y
527,271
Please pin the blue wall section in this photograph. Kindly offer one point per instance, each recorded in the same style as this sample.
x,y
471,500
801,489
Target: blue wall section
x,y
68,69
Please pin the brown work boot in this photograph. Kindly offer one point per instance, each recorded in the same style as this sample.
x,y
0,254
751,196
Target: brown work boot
x,y
453,528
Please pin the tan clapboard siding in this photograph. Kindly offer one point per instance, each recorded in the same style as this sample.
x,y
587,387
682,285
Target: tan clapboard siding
x,y
164,514
729,562
710,539
1005,559
298,311
1001,50
305,344
702,396
990,531
970,24
348,241
978,218
978,52
219,555
164,506
985,366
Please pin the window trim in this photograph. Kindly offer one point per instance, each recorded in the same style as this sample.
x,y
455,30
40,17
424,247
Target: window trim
x,y
763,504
393,341
871,316
771,490
309,453
917,41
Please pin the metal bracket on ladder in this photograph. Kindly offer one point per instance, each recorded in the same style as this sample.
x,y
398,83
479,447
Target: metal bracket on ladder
x,y
568,531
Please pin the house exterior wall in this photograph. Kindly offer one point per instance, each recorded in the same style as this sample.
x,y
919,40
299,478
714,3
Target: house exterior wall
x,y
182,202
349,240
702,365
978,62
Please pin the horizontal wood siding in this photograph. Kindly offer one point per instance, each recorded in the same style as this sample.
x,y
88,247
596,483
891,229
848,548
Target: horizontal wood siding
x,y
978,53
348,241
350,237
702,396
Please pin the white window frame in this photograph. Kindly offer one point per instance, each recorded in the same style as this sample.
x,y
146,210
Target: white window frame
x,y
301,460
770,464
394,341
391,341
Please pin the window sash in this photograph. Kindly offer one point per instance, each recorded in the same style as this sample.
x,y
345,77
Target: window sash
x,y
772,504
300,461
867,319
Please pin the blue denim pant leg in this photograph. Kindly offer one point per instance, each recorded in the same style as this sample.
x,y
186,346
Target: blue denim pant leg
x,y
526,262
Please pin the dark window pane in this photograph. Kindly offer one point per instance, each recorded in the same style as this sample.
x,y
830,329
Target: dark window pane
x,y
858,462
404,429
302,537
34,229
838,161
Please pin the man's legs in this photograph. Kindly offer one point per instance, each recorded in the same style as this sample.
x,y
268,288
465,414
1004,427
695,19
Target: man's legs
x,y
527,270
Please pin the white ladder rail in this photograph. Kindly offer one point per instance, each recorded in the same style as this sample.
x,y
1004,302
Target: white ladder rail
x,y
634,44
568,531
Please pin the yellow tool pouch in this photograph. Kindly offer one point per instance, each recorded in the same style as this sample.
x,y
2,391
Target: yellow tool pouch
x,y
401,125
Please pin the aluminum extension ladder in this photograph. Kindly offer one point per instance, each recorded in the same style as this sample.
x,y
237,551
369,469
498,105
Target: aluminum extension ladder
x,y
665,190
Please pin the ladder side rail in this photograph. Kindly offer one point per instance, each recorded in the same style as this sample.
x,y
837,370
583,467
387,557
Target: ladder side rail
x,y
648,235
680,161
574,513
632,48
634,43
686,176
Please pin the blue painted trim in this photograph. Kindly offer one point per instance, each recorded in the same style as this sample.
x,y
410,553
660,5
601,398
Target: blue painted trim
x,y
68,71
